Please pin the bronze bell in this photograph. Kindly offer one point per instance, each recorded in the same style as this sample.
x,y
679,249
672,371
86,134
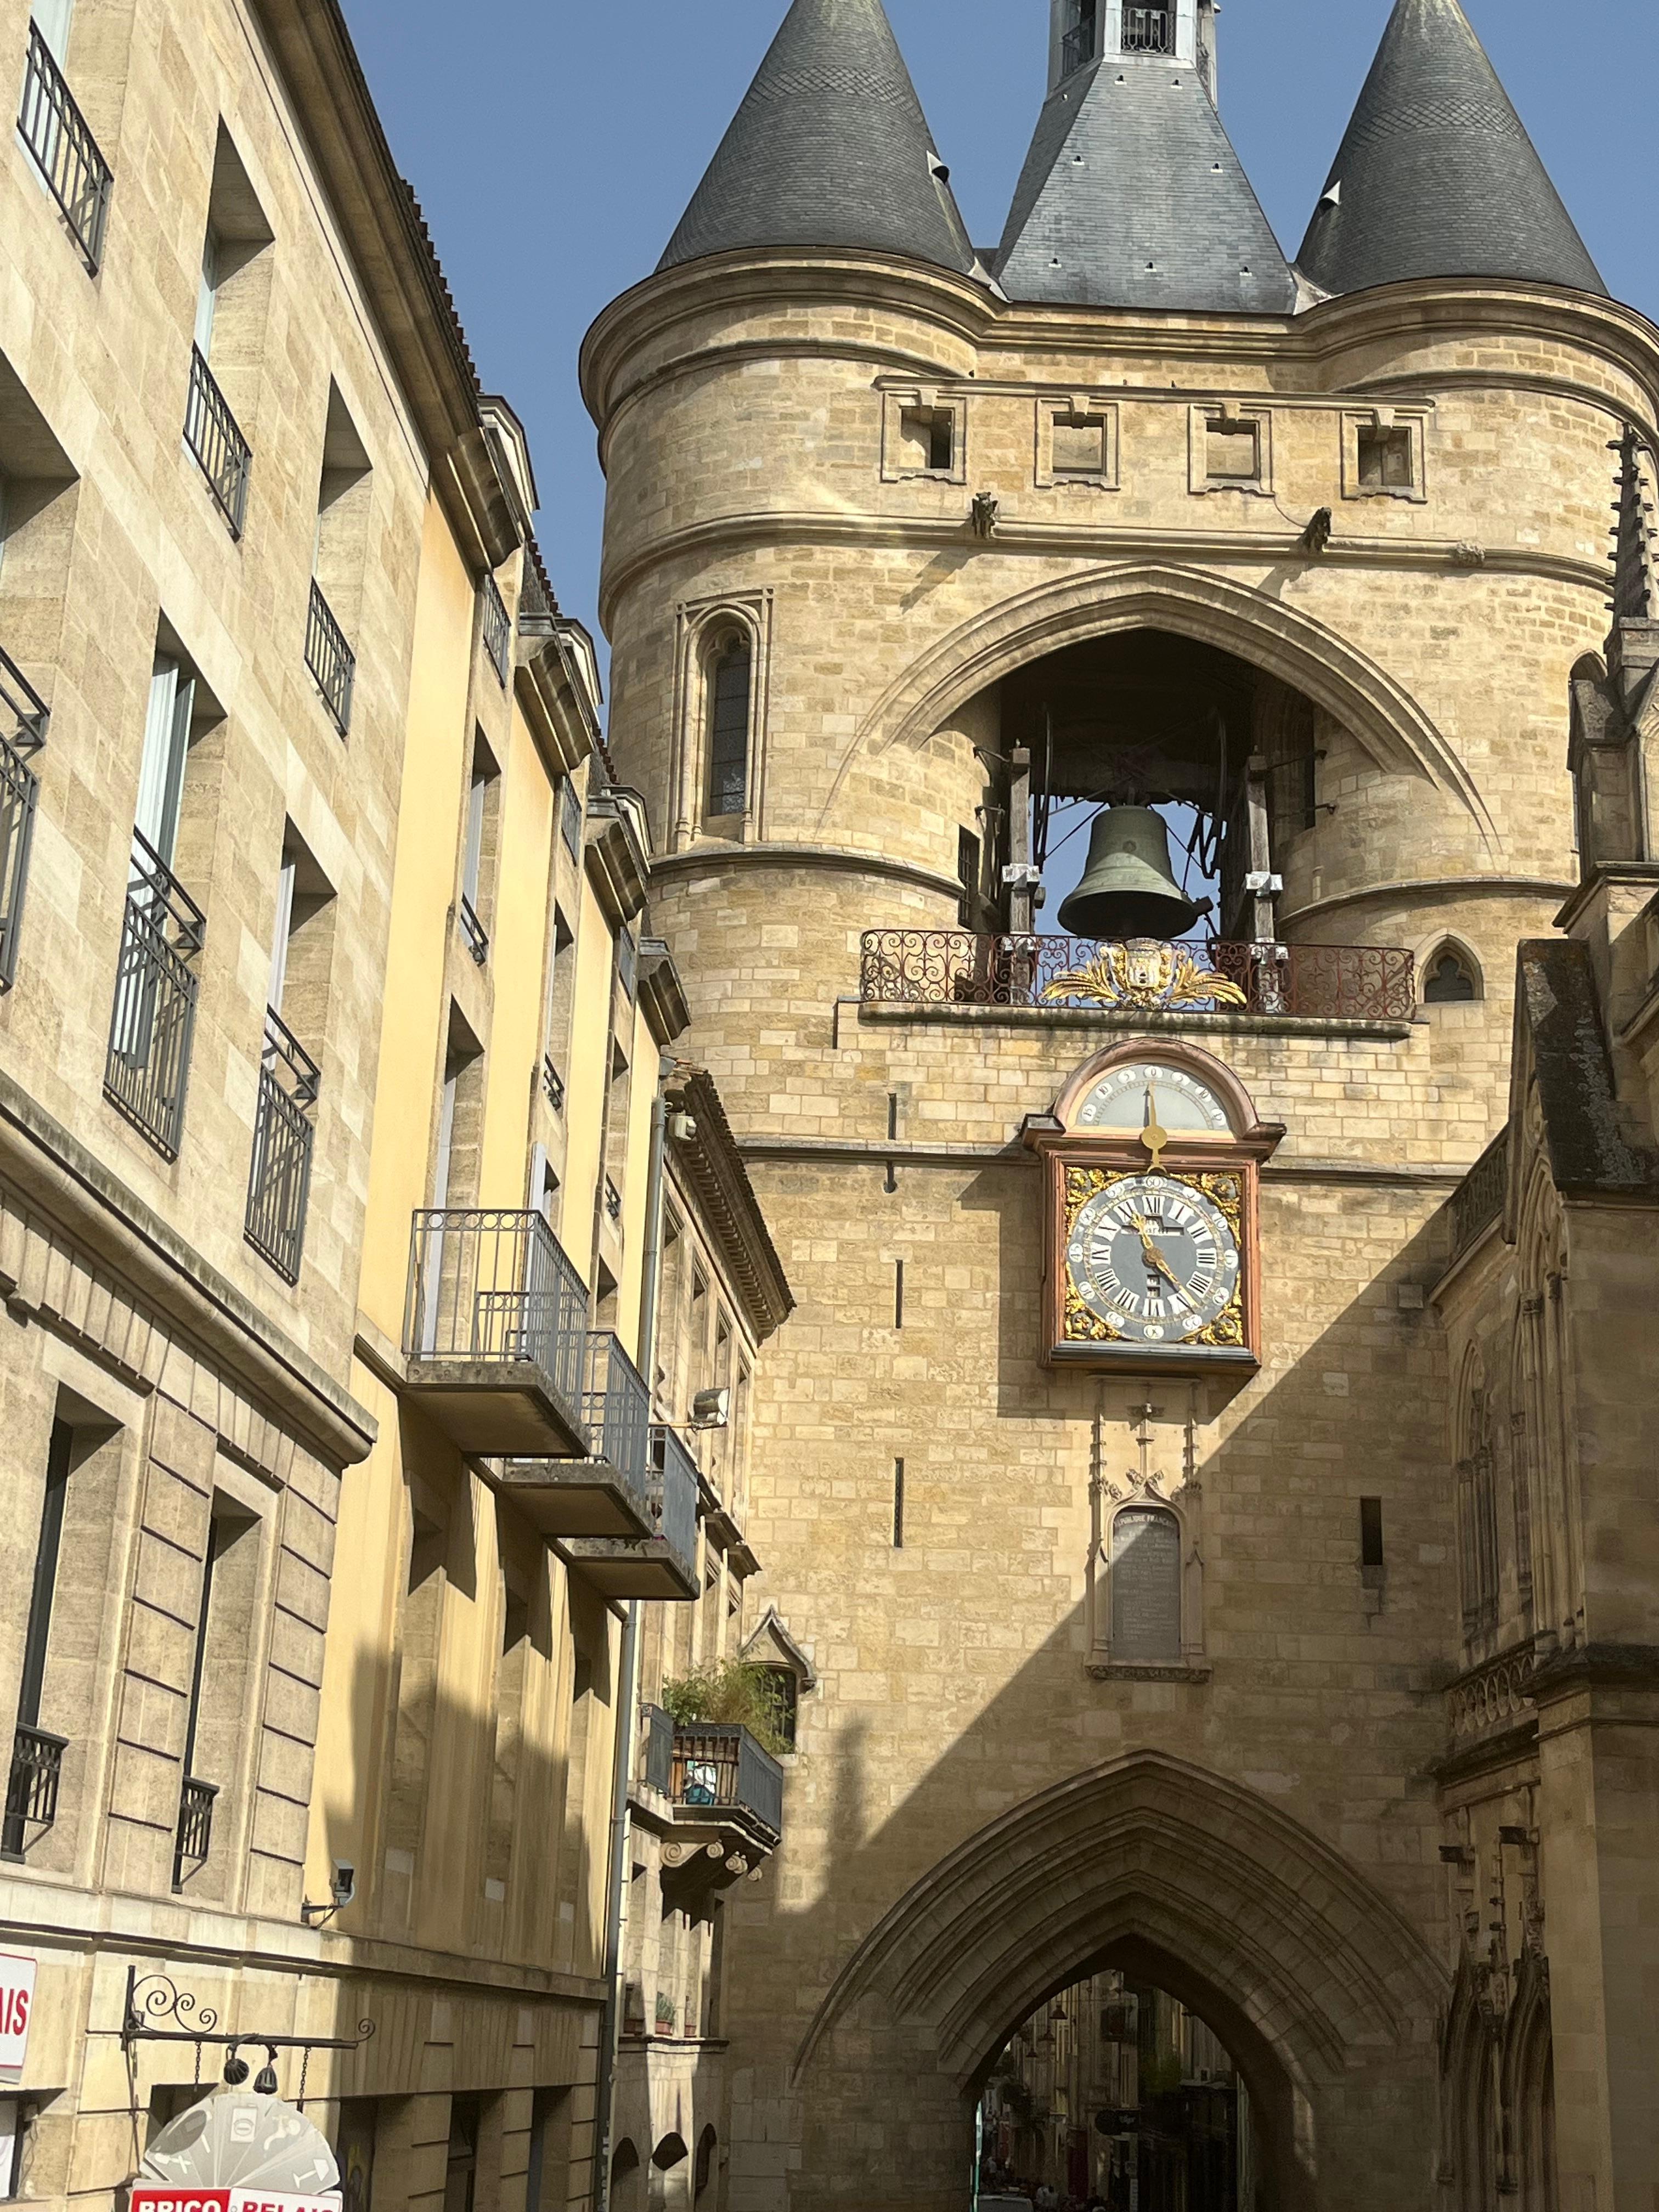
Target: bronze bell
x,y
1129,888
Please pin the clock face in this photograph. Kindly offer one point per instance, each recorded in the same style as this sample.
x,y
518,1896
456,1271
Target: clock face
x,y
1140,1093
1154,1258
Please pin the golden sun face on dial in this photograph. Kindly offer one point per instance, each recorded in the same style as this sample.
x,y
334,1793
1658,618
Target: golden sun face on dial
x,y
1154,1258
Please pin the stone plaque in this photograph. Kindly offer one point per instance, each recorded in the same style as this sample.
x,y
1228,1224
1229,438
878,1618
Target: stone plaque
x,y
1146,1586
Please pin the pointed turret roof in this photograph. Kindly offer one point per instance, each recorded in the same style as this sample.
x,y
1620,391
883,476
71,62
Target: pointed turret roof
x,y
1437,176
1133,197
830,148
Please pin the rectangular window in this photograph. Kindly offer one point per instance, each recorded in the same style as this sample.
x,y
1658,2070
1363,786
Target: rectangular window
x,y
731,679
496,627
1232,452
290,1082
898,1504
968,875
1385,460
927,440
59,137
1371,1532
570,818
1079,445
1078,45
482,793
37,1755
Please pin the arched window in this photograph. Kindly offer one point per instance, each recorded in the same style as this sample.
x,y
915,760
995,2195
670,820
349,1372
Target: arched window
x,y
1146,1586
731,675
627,2180
1450,978
708,2144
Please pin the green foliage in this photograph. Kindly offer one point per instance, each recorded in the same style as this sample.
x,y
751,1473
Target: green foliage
x,y
1162,2076
734,1694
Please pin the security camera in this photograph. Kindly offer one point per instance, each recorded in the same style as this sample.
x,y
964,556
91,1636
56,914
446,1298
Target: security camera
x,y
683,1127
711,1409
343,1885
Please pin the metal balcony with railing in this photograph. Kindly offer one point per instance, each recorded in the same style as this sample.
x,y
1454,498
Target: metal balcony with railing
x,y
606,1497
955,968
497,629
193,1844
721,1775
1478,1201
155,987
57,135
474,935
657,1749
552,1084
1149,30
36,1769
284,1135
333,663
1077,48
663,1563
23,721
216,441
496,1331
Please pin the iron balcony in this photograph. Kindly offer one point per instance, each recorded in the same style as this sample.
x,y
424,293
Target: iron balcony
x,y
663,1563
23,719
217,443
284,1135
193,1844
495,1333
57,135
154,1020
333,663
721,1779
37,1769
605,1496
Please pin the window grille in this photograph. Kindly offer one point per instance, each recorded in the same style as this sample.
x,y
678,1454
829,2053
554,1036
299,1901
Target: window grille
x,y
284,1134
155,991
65,152
222,452
1149,30
194,1841
498,629
330,658
23,719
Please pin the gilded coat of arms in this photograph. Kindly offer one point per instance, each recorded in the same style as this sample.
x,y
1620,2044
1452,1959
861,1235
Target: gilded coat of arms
x,y
1149,975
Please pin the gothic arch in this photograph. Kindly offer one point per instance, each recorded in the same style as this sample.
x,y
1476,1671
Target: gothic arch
x,y
1469,2098
1306,1973
1299,649
1527,2075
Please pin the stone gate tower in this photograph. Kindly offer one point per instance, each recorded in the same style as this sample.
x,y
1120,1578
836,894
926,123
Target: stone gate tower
x,y
1196,1665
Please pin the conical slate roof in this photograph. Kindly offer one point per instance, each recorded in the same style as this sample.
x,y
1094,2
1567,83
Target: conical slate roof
x,y
830,148
1437,176
1133,197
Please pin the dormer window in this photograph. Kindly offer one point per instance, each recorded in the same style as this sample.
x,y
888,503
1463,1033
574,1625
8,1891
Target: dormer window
x,y
1081,41
1148,30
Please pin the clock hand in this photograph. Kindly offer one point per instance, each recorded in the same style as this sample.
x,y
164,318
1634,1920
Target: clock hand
x,y
1157,1260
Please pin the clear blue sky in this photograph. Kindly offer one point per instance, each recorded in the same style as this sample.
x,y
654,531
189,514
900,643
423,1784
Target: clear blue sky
x,y
554,144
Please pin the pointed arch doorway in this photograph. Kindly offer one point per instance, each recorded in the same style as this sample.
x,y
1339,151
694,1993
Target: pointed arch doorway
x,y
1185,1882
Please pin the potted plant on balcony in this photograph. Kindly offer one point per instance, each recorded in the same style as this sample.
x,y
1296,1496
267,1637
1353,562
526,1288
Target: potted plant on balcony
x,y
730,1694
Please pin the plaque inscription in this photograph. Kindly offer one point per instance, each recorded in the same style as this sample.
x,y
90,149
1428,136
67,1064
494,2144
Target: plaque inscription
x,y
1146,1586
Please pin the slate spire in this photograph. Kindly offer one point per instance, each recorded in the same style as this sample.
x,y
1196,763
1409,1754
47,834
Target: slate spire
x,y
830,148
1437,176
1132,195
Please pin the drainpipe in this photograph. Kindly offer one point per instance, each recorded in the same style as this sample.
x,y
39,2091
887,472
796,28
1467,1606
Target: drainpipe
x,y
627,1715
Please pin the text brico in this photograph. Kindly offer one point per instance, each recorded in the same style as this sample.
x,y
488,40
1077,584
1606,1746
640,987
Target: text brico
x,y
153,2196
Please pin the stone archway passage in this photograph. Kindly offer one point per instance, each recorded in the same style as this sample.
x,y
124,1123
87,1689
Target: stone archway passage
x,y
1326,1995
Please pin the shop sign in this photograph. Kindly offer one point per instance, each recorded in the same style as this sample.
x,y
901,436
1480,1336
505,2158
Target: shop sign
x,y
17,2009
178,2196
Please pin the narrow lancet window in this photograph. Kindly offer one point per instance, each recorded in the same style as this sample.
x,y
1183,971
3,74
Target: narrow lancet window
x,y
731,678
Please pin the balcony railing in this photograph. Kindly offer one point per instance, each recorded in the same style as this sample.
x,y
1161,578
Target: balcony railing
x,y
222,452
661,1561
1149,30
658,1761
498,629
155,987
37,1768
474,935
617,1412
552,1084
613,1201
719,1767
65,152
284,1132
570,819
495,1329
23,719
674,1496
955,968
333,663
194,1842
1479,1198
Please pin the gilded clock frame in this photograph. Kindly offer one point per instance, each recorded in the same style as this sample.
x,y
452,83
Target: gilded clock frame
x,y
1227,1170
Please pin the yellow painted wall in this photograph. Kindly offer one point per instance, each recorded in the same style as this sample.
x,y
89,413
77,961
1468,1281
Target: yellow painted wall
x,y
518,960
428,825
642,1071
585,1080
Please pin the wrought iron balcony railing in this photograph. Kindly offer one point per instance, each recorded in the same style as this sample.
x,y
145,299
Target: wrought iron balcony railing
x,y
552,1084
222,452
333,663
496,1330
616,1410
284,1134
674,1496
570,819
155,987
613,1201
23,733
474,935
193,1844
498,629
37,1768
719,1767
956,967
65,152
1149,30
1479,1198
1077,48
658,1761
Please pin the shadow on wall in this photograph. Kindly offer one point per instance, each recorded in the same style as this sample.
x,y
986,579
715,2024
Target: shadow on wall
x,y
1203,1837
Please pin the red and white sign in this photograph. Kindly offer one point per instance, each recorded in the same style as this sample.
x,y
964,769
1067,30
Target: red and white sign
x,y
175,2197
17,2009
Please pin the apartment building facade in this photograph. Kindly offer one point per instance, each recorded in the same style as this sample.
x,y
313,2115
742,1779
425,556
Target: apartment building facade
x,y
334,1148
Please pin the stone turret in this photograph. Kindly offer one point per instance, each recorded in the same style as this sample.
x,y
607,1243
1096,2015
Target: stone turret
x,y
1435,176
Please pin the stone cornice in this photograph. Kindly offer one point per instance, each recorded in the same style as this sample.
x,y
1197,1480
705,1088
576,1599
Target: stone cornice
x,y
712,857
553,707
709,1161
58,1177
1431,886
662,994
618,866
391,252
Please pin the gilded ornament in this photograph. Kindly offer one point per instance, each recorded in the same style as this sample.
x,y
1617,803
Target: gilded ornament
x,y
1151,976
